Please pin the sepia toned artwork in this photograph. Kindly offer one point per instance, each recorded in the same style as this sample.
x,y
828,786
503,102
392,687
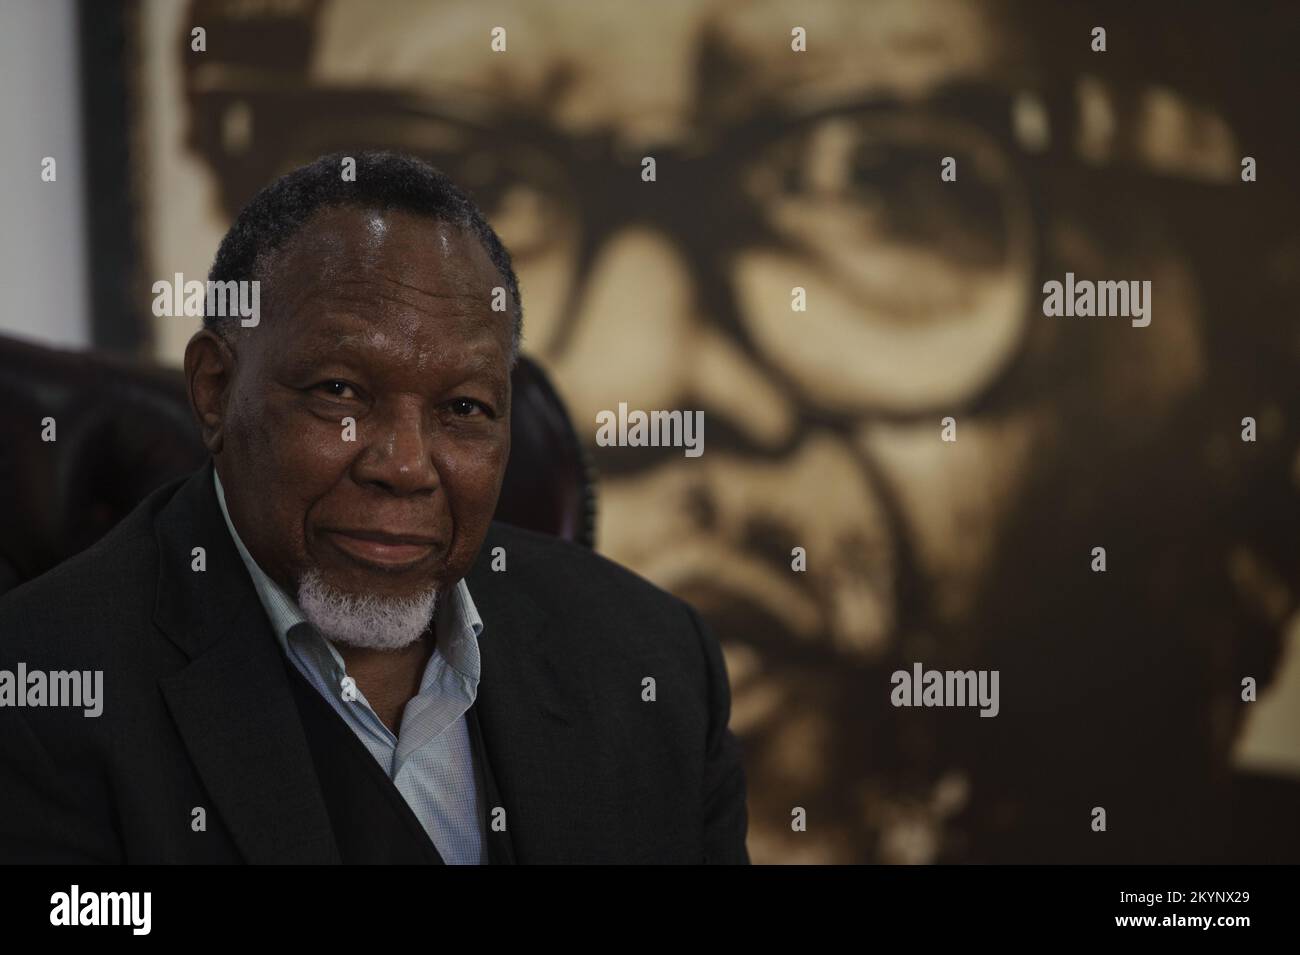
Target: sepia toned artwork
x,y
908,459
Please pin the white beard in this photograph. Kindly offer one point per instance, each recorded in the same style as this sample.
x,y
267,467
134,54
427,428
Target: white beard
x,y
366,622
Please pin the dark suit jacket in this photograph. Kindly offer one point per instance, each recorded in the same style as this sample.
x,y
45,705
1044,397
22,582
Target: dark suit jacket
x,y
199,710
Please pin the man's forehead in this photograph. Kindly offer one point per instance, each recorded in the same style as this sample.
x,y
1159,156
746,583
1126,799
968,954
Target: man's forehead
x,y
354,251
328,329
356,231
466,343
902,48
389,268
634,65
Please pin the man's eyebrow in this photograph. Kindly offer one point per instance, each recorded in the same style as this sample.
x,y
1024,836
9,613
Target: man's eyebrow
x,y
325,348
483,365
953,93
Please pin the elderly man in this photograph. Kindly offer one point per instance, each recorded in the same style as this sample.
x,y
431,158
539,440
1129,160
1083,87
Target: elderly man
x,y
319,647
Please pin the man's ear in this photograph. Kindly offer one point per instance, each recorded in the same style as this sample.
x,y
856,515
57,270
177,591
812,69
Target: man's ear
x,y
209,376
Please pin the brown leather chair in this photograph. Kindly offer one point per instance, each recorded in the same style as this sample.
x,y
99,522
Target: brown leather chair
x,y
124,429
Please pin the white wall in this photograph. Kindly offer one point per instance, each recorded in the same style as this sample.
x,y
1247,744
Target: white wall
x,y
43,276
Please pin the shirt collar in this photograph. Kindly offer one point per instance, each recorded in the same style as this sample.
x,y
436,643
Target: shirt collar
x,y
458,622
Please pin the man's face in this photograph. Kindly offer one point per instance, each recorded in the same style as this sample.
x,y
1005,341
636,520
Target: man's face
x,y
384,318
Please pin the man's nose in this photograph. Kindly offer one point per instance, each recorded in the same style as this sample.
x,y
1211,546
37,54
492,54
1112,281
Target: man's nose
x,y
398,455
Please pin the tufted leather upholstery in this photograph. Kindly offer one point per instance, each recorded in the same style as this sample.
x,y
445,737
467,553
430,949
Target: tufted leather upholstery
x,y
124,429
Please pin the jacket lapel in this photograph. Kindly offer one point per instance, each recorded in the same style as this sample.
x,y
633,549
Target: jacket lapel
x,y
234,709
232,704
529,708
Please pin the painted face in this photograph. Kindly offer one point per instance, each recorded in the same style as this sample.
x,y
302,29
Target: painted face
x,y
822,172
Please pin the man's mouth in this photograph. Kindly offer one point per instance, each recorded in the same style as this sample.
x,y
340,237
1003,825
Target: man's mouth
x,y
379,548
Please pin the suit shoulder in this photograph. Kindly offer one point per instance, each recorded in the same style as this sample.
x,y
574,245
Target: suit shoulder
x,y
87,593
558,571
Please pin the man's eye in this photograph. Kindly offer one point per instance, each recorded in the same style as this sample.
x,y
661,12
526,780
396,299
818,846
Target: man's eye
x,y
336,389
464,407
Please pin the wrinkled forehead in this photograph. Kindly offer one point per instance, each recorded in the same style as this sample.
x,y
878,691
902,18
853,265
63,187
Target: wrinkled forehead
x,y
635,68
360,237
387,265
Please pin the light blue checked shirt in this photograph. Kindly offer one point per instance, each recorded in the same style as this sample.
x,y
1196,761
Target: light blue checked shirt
x,y
431,760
